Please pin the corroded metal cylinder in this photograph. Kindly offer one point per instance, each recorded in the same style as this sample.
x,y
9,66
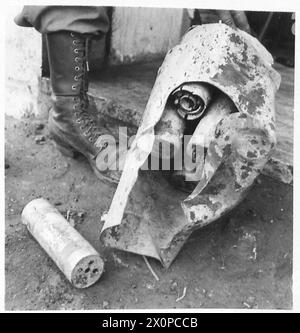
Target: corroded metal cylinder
x,y
169,132
187,179
75,257
220,108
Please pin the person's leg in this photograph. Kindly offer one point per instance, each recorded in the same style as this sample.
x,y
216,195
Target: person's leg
x,y
78,19
68,31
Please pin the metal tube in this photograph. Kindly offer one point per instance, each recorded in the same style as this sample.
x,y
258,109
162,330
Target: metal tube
x,y
191,99
75,257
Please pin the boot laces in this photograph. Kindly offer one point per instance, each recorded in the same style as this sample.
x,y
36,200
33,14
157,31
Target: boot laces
x,y
81,52
88,124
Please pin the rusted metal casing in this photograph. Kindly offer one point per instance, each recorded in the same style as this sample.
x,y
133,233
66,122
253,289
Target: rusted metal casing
x,y
237,144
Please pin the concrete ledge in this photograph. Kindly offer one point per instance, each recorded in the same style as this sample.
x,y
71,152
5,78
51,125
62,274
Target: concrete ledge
x,y
121,93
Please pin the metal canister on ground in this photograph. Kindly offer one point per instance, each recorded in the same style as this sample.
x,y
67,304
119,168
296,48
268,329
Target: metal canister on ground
x,y
75,257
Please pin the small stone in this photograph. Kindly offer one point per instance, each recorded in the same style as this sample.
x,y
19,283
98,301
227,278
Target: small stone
x,y
40,139
174,286
72,222
149,286
7,166
69,298
210,294
133,286
39,126
105,304
251,212
81,215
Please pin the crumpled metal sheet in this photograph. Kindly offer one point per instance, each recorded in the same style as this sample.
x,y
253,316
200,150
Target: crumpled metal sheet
x,y
163,219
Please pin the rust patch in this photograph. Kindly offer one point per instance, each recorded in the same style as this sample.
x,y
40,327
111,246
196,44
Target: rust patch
x,y
234,38
244,174
229,76
246,168
253,100
164,125
237,186
192,215
205,200
251,154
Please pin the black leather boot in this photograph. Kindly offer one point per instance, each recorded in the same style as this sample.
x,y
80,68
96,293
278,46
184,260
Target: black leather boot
x,y
72,122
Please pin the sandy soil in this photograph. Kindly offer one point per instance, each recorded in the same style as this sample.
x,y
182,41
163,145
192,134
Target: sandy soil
x,y
243,261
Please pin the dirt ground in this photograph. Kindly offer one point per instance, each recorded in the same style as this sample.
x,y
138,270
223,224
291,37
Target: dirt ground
x,y
242,261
